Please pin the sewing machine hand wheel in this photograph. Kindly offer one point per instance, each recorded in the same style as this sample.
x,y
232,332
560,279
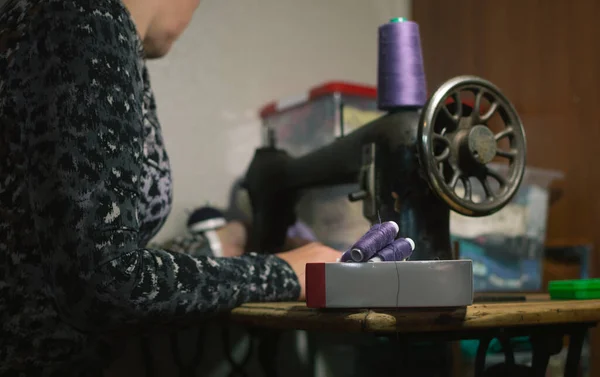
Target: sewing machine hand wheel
x,y
456,145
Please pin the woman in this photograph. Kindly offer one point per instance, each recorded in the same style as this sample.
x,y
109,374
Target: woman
x,y
85,184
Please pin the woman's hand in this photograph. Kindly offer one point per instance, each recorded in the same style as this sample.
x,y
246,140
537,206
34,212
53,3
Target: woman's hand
x,y
233,238
310,253
292,243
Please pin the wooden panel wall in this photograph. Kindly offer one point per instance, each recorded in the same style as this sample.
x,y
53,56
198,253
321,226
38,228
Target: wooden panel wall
x,y
545,56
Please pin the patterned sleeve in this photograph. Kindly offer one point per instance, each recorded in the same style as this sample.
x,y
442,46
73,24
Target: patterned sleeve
x,y
194,244
81,88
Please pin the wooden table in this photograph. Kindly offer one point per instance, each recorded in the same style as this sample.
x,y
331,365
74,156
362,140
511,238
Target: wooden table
x,y
546,322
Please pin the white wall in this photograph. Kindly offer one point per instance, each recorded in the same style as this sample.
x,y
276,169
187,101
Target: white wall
x,y
238,55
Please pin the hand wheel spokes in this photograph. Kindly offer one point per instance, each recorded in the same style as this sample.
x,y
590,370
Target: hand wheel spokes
x,y
477,117
457,144
458,112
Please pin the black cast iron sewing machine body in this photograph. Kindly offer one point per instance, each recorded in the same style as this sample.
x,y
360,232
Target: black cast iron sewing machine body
x,y
408,164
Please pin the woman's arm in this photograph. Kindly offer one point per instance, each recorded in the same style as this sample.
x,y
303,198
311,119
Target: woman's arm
x,y
82,92
227,241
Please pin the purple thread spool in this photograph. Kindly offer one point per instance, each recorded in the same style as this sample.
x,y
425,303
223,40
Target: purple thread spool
x,y
374,240
401,76
398,250
346,257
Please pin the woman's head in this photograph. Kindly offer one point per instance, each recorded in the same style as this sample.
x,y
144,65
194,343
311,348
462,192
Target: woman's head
x,y
160,22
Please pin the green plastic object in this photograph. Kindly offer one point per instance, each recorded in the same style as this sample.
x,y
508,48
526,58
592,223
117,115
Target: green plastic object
x,y
584,289
398,19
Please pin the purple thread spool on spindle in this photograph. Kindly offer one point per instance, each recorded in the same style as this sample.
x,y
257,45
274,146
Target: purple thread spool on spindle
x,y
398,250
347,257
373,241
401,76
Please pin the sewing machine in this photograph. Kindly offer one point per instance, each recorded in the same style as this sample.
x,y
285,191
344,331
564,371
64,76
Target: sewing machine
x,y
413,165
408,164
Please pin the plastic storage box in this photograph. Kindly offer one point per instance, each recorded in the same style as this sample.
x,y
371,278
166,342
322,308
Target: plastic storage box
x,y
303,123
306,122
507,248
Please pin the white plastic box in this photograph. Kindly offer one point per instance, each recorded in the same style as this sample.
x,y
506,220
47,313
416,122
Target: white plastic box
x,y
507,248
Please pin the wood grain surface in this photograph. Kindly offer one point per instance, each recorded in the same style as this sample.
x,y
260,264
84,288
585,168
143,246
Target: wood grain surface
x,y
292,315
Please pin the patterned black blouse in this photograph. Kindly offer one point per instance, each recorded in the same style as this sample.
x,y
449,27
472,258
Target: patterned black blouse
x,y
84,185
